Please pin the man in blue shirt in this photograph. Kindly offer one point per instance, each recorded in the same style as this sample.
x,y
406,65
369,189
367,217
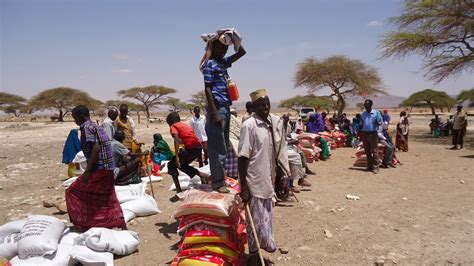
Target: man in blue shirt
x,y
218,109
371,121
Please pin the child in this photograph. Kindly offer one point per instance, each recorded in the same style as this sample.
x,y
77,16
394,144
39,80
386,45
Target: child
x,y
160,150
184,134
214,68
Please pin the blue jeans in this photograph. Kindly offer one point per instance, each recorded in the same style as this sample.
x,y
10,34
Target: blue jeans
x,y
217,141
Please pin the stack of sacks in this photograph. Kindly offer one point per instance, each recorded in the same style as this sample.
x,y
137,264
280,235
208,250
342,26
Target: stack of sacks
x,y
45,240
361,160
135,201
213,225
328,137
339,139
309,143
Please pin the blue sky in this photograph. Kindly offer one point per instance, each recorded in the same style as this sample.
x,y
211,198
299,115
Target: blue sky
x,y
104,46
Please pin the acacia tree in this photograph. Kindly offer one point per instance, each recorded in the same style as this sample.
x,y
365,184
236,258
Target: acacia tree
x,y
63,100
440,31
12,104
342,75
466,95
199,99
177,105
132,107
150,96
430,98
318,102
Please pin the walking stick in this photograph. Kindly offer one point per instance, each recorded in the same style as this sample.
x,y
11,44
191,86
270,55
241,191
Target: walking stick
x,y
144,161
151,187
254,232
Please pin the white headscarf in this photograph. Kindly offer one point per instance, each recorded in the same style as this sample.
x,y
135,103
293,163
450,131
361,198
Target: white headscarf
x,y
226,36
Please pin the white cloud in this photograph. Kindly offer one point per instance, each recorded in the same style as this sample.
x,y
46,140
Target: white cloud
x,y
374,23
121,70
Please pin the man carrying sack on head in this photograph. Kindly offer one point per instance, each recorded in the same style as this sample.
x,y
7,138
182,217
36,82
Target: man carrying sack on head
x,y
262,156
216,84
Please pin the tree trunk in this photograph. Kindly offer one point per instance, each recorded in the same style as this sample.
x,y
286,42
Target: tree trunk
x,y
341,105
433,111
61,115
147,111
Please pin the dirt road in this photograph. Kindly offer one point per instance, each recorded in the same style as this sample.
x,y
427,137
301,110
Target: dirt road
x,y
421,212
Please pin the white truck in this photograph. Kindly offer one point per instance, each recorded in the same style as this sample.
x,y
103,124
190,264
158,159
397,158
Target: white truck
x,y
303,113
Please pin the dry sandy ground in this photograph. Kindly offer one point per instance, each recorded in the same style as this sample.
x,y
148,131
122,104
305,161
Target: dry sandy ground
x,y
421,212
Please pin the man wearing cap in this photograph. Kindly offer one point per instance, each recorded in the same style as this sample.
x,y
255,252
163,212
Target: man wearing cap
x,y
214,68
262,155
459,128
371,121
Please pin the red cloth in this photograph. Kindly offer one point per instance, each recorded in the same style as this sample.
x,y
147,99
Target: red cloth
x,y
94,204
186,134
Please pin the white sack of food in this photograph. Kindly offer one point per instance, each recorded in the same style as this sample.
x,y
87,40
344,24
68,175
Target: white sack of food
x,y
154,178
40,236
12,227
117,242
128,215
141,206
164,167
186,182
9,246
88,257
59,258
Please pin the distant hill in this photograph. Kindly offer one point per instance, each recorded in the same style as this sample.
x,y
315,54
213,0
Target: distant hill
x,y
380,101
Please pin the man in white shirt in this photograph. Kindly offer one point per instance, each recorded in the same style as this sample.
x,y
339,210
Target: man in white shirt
x,y
198,123
262,153
459,127
108,124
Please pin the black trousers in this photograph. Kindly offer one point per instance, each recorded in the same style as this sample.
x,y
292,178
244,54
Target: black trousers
x,y
371,148
458,136
186,157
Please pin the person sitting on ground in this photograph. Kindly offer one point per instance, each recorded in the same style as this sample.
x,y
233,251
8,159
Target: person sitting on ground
x,y
449,126
160,150
327,122
70,150
109,123
295,163
91,200
184,134
389,150
198,123
299,125
127,164
125,123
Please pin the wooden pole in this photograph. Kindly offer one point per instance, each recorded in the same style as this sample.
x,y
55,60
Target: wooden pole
x,y
254,232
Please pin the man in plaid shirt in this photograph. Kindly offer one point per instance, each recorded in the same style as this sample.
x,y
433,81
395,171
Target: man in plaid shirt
x,y
91,200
